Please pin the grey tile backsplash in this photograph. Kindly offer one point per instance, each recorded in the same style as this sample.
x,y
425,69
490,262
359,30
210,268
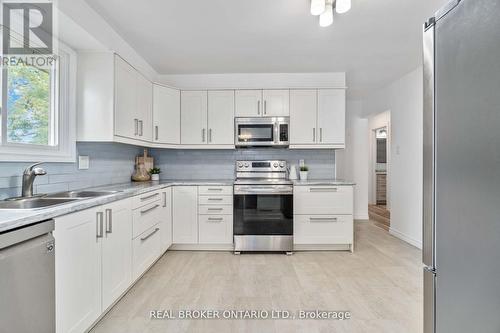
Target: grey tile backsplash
x,y
113,163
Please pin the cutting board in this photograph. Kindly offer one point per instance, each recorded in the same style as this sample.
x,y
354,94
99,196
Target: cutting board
x,y
147,160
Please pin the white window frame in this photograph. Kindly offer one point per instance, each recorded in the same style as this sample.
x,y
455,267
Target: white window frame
x,y
65,100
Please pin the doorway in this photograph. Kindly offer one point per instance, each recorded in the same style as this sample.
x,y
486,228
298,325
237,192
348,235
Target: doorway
x,y
378,209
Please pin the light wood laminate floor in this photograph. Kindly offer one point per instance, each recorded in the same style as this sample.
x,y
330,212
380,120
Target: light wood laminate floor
x,y
380,284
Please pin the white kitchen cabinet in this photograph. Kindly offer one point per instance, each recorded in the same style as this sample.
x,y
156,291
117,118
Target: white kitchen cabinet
x,y
216,229
303,116
126,100
78,270
116,251
323,199
317,121
276,103
166,219
185,214
331,116
323,229
193,117
144,107
215,219
166,115
146,248
248,103
221,117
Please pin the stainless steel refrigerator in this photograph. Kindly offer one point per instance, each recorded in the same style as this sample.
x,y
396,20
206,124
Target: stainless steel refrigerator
x,y
461,252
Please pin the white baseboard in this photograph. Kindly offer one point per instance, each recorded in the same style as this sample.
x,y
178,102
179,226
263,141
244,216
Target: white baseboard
x,y
406,238
361,216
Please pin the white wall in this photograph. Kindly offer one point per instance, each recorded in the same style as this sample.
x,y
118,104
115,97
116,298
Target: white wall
x,y
403,98
352,162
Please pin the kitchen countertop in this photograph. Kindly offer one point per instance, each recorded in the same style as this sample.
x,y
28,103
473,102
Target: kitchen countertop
x,y
11,219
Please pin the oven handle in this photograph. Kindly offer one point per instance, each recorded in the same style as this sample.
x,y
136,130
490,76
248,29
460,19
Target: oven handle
x,y
263,190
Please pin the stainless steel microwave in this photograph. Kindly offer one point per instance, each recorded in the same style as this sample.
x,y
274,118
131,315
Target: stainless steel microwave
x,y
262,132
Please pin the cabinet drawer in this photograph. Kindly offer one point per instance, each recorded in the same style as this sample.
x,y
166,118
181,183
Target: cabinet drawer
x,y
145,217
323,229
218,190
215,210
215,229
215,200
323,200
146,248
145,199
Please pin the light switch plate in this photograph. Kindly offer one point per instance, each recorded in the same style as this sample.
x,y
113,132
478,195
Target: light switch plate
x,y
302,163
83,162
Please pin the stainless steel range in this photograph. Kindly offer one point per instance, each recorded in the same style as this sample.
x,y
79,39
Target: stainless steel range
x,y
263,207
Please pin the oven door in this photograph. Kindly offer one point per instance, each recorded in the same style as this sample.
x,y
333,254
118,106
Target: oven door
x,y
263,211
255,132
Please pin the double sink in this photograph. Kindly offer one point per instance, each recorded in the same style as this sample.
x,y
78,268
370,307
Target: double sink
x,y
49,200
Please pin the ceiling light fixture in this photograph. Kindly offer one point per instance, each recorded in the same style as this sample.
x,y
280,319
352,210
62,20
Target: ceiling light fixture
x,y
326,18
343,6
317,7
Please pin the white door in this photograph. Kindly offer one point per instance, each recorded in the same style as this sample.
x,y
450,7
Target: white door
x,y
166,220
331,116
185,214
221,117
248,103
276,103
166,115
193,117
116,250
78,270
145,107
303,116
126,119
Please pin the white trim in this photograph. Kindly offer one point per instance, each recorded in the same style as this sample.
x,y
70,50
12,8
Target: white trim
x,y
322,247
406,238
201,247
66,149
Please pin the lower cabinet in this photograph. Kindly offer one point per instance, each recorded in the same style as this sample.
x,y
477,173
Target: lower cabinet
x,y
185,214
166,219
146,249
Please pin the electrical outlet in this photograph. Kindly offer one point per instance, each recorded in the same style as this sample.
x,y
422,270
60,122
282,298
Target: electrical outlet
x,y
83,162
302,163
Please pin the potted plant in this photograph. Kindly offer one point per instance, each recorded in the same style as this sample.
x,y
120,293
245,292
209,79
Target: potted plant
x,y
303,172
155,173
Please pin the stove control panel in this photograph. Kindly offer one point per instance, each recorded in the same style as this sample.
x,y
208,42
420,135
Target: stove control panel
x,y
261,166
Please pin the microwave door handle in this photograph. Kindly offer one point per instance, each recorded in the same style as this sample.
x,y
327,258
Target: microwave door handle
x,y
276,133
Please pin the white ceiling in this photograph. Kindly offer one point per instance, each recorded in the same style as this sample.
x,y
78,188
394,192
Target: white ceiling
x,y
374,43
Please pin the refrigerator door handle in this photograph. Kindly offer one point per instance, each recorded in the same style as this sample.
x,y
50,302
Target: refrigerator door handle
x,y
429,300
428,253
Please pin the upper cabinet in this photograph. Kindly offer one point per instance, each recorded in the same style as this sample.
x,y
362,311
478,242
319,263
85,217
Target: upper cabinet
x,y
317,118
114,100
166,115
262,103
207,119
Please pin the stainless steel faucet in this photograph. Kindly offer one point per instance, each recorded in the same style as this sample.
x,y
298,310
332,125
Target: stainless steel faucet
x,y
29,175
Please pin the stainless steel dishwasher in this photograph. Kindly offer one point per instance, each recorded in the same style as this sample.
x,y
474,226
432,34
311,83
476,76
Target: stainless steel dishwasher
x,y
27,279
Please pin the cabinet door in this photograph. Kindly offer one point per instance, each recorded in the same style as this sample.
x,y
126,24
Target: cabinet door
x,y
331,116
221,117
116,250
276,103
145,107
78,270
126,119
166,115
248,103
216,229
166,219
193,117
185,214
303,116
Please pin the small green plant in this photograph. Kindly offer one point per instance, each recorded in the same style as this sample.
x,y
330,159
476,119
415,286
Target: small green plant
x,y
304,168
154,171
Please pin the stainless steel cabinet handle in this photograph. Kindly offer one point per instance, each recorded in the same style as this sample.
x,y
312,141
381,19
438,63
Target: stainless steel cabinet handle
x,y
99,224
323,219
150,234
203,135
140,128
149,196
149,209
258,107
156,132
265,107
210,135
215,219
215,209
320,134
136,126
215,189
323,189
109,221
164,199
314,134
215,199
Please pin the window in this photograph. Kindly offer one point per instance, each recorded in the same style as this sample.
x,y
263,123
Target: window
x,y
38,103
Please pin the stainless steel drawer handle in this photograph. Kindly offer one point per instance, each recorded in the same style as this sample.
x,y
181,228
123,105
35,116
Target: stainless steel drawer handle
x,y
150,234
149,209
149,196
215,199
215,209
164,199
323,219
136,126
109,221
99,224
218,219
323,189
215,189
